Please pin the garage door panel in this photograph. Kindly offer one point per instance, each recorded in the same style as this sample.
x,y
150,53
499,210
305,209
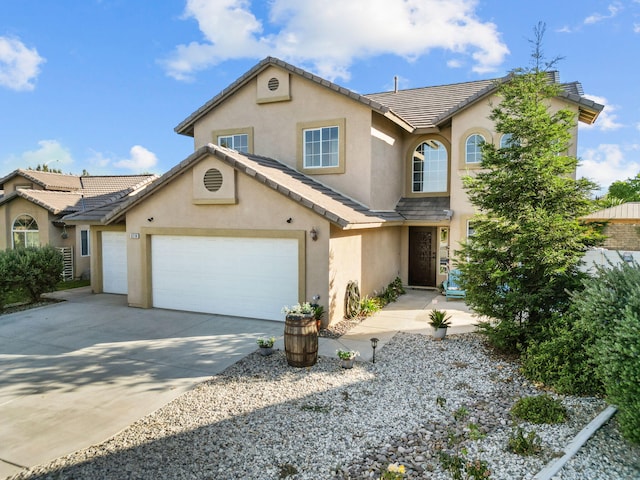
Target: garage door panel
x,y
114,262
251,277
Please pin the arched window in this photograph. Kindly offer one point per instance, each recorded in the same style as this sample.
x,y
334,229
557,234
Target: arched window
x,y
473,151
506,140
25,232
430,168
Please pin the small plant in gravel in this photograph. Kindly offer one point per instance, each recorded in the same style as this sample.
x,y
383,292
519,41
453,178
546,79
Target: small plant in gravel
x,y
454,460
524,443
347,354
286,470
394,471
539,409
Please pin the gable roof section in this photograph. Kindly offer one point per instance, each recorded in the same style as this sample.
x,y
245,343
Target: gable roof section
x,y
47,180
52,201
418,108
627,211
92,192
186,126
335,207
431,107
425,208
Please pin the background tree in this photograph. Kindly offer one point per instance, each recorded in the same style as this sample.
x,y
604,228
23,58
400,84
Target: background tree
x,y
528,243
624,191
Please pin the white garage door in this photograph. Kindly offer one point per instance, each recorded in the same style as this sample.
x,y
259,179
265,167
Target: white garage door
x,y
247,277
114,262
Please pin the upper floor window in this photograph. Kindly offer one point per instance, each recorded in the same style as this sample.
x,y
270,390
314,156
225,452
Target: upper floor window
x,y
506,140
239,142
25,232
84,243
473,148
321,147
430,168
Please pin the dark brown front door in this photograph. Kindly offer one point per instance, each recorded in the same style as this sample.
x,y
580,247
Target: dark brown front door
x,y
422,256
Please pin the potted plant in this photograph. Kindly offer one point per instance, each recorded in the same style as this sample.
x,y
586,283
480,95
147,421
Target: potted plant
x,y
440,321
266,345
347,357
300,335
318,313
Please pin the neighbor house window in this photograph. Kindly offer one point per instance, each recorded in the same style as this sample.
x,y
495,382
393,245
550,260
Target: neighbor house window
x,y
430,168
473,149
239,143
84,243
321,147
25,232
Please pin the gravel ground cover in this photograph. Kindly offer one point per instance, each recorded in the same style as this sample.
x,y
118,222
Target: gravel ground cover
x,y
261,419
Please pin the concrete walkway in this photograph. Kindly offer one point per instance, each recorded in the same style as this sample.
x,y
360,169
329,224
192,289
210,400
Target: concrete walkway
x,y
410,313
76,373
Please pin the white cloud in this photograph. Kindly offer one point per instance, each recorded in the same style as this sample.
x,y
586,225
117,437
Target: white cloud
x,y
51,152
329,34
19,65
606,163
636,28
607,120
613,8
140,160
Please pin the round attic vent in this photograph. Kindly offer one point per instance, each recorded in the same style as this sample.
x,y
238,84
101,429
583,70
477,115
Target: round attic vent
x,y
273,84
213,180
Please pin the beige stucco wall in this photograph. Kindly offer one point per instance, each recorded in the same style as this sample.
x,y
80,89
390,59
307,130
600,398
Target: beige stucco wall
x,y
259,211
276,130
387,164
370,257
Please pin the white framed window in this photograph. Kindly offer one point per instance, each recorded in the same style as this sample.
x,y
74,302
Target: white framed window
x,y
25,232
470,229
473,149
238,142
84,243
321,147
429,170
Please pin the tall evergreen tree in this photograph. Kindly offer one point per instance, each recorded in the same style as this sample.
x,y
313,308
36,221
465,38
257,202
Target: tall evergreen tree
x,y
523,257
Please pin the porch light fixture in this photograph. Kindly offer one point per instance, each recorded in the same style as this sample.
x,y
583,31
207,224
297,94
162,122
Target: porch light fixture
x,y
314,234
374,344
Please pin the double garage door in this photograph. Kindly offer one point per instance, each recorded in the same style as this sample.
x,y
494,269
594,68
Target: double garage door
x,y
247,277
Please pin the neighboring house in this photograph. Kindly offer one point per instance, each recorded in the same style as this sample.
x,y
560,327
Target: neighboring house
x,y
298,186
622,231
34,203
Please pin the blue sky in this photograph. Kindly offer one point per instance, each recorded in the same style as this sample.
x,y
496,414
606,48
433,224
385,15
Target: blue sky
x,y
100,84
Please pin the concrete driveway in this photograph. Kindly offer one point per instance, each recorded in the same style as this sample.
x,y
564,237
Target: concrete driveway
x,y
75,373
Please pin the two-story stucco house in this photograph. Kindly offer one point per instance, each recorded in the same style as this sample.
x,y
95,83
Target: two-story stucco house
x,y
33,204
298,186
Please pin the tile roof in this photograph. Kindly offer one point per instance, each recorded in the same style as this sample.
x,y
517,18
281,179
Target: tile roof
x,y
47,180
91,191
421,107
425,208
335,207
626,211
424,108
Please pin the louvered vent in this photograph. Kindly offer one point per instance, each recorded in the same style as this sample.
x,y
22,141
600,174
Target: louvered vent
x,y
273,84
213,180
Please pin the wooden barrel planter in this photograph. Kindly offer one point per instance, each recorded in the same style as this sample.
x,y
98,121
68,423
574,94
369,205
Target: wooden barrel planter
x,y
301,340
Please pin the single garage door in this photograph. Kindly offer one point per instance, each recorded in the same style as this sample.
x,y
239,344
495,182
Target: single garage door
x,y
114,262
247,277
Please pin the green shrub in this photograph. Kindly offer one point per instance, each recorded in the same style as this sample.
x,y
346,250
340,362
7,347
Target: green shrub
x,y
609,308
539,409
561,361
521,444
505,336
36,270
370,305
